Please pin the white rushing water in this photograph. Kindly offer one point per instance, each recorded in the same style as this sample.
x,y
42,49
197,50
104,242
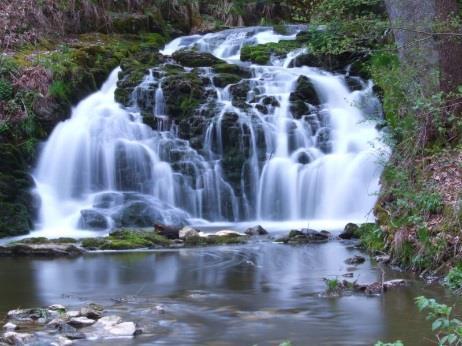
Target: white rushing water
x,y
103,165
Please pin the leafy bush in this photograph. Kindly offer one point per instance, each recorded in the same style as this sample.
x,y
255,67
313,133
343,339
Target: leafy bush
x,y
447,328
454,279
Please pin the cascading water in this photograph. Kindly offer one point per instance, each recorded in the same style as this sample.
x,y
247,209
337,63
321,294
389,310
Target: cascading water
x,y
105,168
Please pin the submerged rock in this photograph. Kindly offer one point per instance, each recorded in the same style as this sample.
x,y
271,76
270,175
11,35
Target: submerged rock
x,y
305,236
228,233
355,260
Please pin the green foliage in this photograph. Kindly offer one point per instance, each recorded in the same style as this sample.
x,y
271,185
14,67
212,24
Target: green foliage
x,y
454,279
447,328
6,90
372,237
347,25
59,89
261,54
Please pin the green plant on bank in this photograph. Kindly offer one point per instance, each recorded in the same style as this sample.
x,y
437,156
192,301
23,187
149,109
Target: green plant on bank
x,y
448,329
371,237
332,284
453,279
396,343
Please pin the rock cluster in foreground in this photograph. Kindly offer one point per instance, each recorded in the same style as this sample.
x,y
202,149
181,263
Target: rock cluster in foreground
x,y
56,325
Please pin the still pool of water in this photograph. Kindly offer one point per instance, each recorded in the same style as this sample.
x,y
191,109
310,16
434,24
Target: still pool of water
x,y
260,293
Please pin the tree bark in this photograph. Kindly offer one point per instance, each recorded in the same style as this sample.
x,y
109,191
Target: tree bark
x,y
449,46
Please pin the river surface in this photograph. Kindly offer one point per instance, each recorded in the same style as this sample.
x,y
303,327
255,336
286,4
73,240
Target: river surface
x,y
260,293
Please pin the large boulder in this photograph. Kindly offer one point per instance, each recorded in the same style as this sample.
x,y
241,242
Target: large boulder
x,y
93,220
138,214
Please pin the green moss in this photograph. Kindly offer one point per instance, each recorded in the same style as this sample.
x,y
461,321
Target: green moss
x,y
214,240
223,79
261,54
35,240
6,90
126,239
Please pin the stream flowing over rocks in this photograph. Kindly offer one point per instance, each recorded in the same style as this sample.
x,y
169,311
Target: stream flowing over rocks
x,y
205,131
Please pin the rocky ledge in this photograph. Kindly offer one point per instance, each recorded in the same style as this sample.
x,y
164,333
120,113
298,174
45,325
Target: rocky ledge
x,y
159,236
57,325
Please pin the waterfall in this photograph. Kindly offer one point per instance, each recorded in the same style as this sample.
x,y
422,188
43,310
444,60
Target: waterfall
x,y
104,167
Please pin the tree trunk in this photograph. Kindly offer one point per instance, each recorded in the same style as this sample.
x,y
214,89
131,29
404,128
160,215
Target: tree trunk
x,y
450,46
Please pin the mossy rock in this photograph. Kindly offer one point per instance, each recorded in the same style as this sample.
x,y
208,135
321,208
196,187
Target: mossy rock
x,y
126,239
261,54
214,240
194,58
232,69
15,219
183,93
223,79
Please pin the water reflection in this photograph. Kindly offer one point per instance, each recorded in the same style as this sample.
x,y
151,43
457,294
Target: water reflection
x,y
259,293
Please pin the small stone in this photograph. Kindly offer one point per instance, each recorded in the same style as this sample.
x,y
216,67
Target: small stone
x,y
160,309
75,336
355,260
188,232
383,259
73,313
348,275
61,341
108,321
256,230
91,313
10,327
228,233
55,323
123,329
80,322
394,283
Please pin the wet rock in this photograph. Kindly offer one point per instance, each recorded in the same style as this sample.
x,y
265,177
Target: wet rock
x,y
92,220
138,214
167,232
9,327
41,250
256,230
304,95
123,329
232,69
81,322
350,232
17,339
223,79
194,58
395,283
91,313
239,93
160,309
73,313
108,321
61,341
354,83
187,232
75,336
355,260
383,259
108,200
